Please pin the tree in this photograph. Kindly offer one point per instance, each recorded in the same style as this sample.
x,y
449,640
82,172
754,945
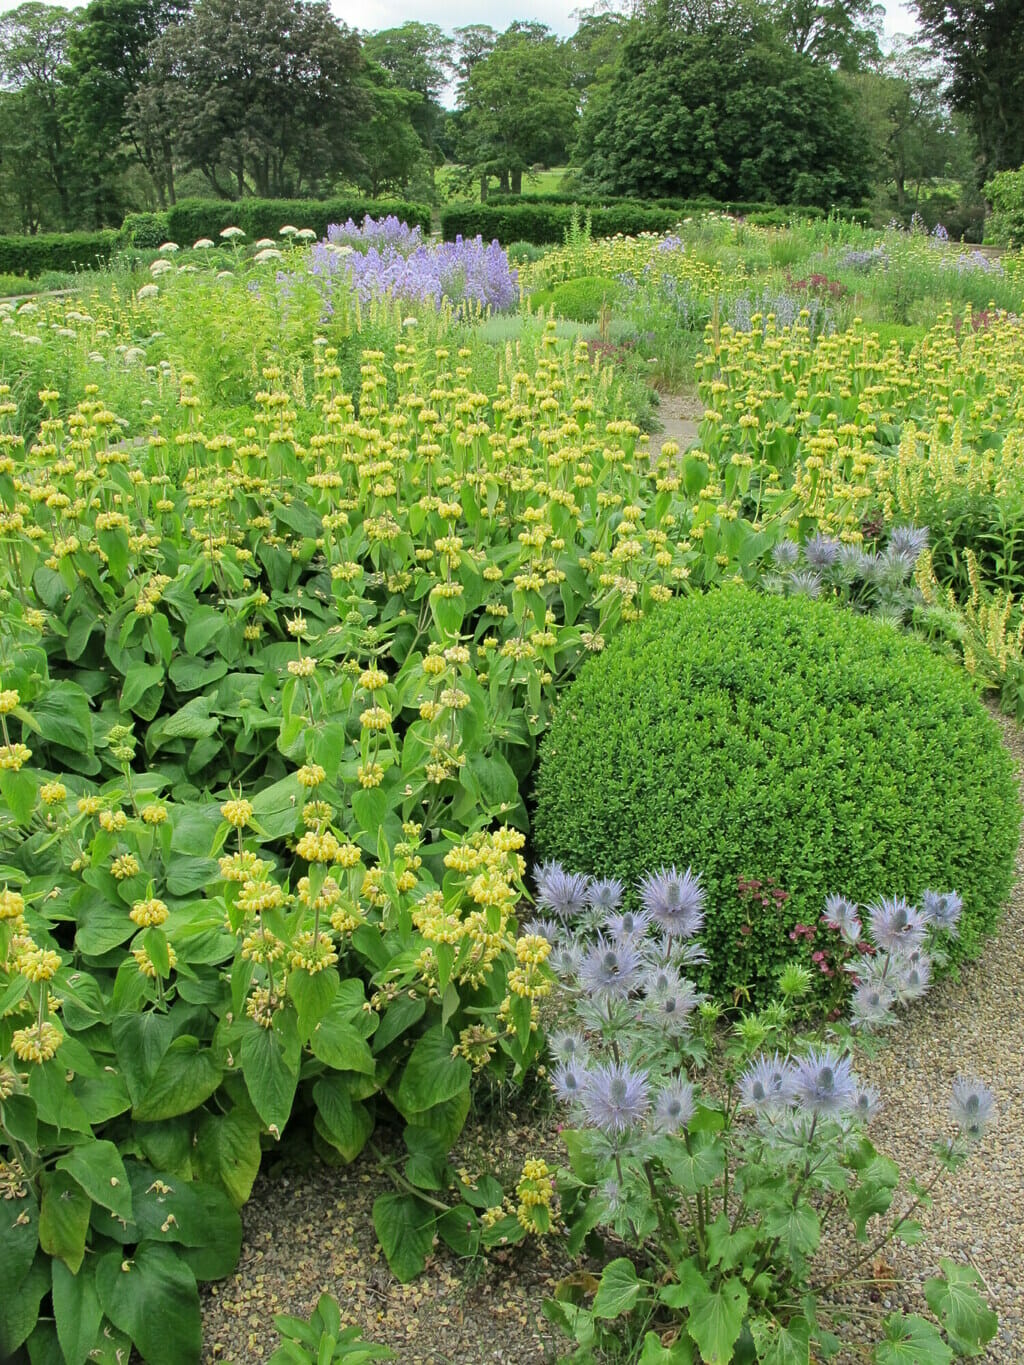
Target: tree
x,y
33,49
108,58
518,106
842,33
730,111
982,43
473,42
267,94
392,151
417,58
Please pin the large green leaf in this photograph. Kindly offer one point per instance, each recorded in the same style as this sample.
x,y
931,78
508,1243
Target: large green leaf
x,y
405,1230
618,1290
153,1297
76,1311
270,1060
654,1353
228,1151
338,1043
910,1340
778,1345
715,1316
312,994
63,716
18,1243
140,1041
98,1168
63,1218
697,1164
186,1076
197,1216
432,1074
966,1317
343,1122
19,1312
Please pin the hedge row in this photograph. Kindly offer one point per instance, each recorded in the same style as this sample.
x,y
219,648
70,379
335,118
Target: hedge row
x,y
192,219
740,207
542,222
56,251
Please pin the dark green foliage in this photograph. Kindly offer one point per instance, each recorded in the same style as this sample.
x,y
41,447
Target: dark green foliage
x,y
781,739
191,219
146,230
56,251
730,110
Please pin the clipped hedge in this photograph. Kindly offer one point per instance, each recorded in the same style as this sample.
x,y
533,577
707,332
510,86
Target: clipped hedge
x,y
786,740
191,219
741,208
56,251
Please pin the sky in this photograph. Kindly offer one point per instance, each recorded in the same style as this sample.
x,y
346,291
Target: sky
x,y
369,15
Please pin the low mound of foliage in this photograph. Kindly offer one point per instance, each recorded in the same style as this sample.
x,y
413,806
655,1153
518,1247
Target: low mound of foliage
x,y
779,744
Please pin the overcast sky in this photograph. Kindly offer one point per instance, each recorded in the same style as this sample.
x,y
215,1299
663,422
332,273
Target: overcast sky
x,y
558,14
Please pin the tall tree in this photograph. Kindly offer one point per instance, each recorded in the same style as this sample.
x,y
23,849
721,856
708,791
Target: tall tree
x,y
108,58
261,96
843,33
730,111
517,106
982,43
417,58
34,42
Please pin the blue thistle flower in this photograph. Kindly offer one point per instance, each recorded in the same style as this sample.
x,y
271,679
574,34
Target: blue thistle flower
x,y
670,999
842,914
610,971
786,554
569,1082
616,1097
852,559
565,961
821,552
973,1107
605,893
895,924
632,924
908,542
674,1107
766,1085
546,929
804,583
866,1103
913,979
675,900
942,911
871,1006
563,893
823,1082
569,1047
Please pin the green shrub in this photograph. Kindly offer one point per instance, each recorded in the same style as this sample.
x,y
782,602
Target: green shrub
x,y
523,253
56,251
146,230
783,740
580,300
191,219
1005,192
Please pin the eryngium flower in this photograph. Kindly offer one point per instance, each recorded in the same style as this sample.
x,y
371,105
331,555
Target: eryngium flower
x,y
842,915
821,552
804,583
866,1103
786,553
675,900
671,999
895,925
605,893
767,1084
908,541
547,929
823,1082
610,971
569,1047
629,924
674,1107
913,978
616,1097
569,1082
973,1107
871,1006
563,893
943,911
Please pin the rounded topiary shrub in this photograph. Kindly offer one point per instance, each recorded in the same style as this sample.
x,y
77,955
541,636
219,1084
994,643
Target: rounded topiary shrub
x,y
786,741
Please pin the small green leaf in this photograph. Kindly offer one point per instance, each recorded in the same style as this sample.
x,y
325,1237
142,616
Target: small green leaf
x,y
343,1122
64,1218
965,1316
76,1311
697,1165
432,1074
654,1353
98,1168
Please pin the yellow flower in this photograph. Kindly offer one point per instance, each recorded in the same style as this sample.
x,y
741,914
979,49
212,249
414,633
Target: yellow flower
x,y
375,718
9,699
373,678
312,955
12,904
36,1044
127,865
237,813
242,867
311,775
13,756
370,774
302,668
146,965
53,793
148,913
318,847
113,821
39,964
257,896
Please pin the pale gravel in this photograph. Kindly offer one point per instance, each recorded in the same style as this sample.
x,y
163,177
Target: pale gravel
x,y
310,1230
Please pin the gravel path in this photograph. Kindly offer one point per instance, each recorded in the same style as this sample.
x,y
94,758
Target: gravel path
x,y
308,1227
972,1027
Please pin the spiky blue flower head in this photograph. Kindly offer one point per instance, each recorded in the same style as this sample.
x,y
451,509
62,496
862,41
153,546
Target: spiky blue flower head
x,y
908,542
566,960
804,583
563,893
610,971
973,1107
569,1082
843,915
871,1006
605,893
866,1103
547,929
895,924
852,559
913,978
786,554
821,552
674,1107
675,900
766,1085
617,1097
943,911
823,1082
670,999
569,1047
631,924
